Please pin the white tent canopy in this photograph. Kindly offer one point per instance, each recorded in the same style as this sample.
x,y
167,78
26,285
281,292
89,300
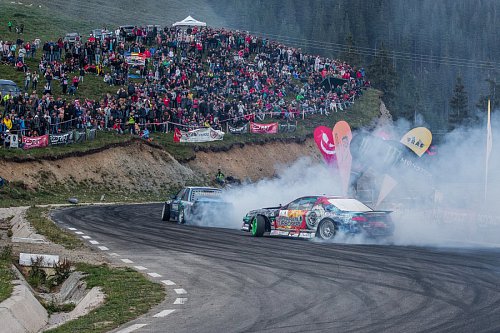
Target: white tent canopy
x,y
189,22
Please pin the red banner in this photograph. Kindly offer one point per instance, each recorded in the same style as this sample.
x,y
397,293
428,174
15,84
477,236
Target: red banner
x,y
35,142
271,128
323,137
177,135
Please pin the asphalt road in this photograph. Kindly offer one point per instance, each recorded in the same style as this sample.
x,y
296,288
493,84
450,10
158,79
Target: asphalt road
x,y
236,283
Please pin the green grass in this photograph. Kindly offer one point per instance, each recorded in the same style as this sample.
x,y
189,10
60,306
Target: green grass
x,y
17,194
38,23
6,274
37,216
128,295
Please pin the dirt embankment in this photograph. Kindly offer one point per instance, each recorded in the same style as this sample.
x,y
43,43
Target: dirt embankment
x,y
141,167
136,167
253,162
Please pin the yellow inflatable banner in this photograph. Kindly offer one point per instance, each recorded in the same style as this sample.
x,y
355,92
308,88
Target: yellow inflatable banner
x,y
418,140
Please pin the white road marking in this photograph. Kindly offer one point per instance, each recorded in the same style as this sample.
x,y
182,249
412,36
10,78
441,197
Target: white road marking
x,y
79,232
140,268
72,229
86,237
180,291
127,261
94,242
164,313
180,300
114,254
168,282
103,248
155,275
131,328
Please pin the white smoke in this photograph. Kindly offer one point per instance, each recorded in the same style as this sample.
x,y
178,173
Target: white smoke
x,y
458,211
304,177
455,213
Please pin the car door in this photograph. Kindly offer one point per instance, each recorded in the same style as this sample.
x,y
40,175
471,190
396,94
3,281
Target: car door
x,y
186,201
176,201
290,216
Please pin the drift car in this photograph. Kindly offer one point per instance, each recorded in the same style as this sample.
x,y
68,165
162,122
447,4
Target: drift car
x,y
193,203
319,216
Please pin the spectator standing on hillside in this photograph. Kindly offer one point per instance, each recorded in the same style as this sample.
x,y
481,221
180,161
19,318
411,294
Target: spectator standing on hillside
x,y
27,80
34,80
9,25
82,74
22,53
64,84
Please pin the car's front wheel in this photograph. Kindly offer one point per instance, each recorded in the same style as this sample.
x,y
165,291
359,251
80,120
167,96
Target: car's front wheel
x,y
258,226
165,213
181,218
326,230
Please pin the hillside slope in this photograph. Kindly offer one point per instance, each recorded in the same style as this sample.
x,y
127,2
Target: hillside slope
x,y
139,172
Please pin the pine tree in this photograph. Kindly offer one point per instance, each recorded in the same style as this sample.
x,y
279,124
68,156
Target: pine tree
x,y
493,95
351,53
459,104
383,75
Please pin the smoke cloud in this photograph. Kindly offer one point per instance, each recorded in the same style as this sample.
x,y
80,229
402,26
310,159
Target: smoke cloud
x,y
447,208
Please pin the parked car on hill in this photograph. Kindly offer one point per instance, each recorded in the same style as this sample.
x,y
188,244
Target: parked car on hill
x,y
194,203
8,86
72,37
127,31
319,216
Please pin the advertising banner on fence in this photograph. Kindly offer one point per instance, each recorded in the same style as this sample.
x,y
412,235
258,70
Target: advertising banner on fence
x,y
80,136
287,128
61,139
35,142
198,135
271,128
91,133
238,130
14,141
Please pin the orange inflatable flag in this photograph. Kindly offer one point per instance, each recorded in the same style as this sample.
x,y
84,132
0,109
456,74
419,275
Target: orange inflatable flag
x,y
342,137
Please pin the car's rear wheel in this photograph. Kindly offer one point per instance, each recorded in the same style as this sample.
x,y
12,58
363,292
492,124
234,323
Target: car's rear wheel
x,y
326,230
165,214
258,226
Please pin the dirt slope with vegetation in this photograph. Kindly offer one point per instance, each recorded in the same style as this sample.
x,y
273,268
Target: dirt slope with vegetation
x,y
141,169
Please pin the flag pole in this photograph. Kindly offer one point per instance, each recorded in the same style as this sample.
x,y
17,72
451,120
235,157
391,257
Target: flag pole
x,y
488,149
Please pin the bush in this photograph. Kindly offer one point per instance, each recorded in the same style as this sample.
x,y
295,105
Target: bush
x,y
37,277
62,271
6,253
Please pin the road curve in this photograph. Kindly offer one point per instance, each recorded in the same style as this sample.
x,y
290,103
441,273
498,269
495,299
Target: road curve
x,y
236,283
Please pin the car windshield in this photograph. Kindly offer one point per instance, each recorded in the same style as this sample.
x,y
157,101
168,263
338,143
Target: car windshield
x,y
205,193
349,205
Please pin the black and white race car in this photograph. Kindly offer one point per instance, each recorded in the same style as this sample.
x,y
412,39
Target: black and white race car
x,y
319,216
194,204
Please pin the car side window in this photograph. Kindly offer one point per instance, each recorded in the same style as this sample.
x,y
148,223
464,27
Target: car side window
x,y
185,197
294,205
306,203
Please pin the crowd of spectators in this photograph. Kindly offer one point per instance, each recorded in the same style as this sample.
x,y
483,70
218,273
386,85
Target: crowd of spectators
x,y
191,78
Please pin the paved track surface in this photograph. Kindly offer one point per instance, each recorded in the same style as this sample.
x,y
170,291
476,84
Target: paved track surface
x,y
236,283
